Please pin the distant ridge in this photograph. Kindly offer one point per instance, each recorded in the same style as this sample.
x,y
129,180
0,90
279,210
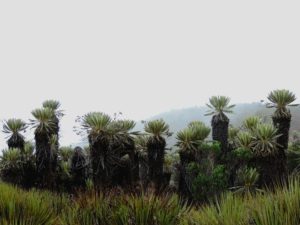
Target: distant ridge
x,y
179,118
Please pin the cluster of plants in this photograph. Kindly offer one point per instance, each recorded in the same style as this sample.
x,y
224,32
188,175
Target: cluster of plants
x,y
244,159
116,155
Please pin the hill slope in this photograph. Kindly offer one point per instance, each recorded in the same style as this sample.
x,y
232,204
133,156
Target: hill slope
x,y
178,119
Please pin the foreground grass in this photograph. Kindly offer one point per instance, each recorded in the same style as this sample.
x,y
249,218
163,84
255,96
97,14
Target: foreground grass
x,y
18,207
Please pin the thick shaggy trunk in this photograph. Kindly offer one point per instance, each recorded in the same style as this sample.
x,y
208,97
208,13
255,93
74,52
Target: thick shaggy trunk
x,y
55,151
273,169
134,161
267,169
130,171
283,126
27,173
98,149
186,158
156,156
78,168
136,167
143,169
44,161
220,131
16,141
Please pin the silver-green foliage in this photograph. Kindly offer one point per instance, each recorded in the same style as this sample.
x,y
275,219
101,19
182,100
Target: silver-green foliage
x,y
281,99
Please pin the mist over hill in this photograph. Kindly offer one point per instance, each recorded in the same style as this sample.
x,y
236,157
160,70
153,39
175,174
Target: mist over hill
x,y
179,118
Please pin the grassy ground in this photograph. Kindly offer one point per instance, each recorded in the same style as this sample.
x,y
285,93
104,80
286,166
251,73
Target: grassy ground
x,y
18,207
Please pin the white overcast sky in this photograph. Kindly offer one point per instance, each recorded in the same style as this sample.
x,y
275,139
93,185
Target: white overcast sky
x,y
143,57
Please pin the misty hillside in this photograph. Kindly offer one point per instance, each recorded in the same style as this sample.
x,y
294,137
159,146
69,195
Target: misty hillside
x,y
179,118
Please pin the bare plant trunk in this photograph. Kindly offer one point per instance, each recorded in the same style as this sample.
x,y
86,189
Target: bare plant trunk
x,y
220,132
44,158
99,148
16,141
283,126
156,156
78,168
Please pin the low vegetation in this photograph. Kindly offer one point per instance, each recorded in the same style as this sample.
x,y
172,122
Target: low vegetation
x,y
33,207
239,176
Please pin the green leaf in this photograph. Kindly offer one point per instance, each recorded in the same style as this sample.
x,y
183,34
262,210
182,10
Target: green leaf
x,y
219,105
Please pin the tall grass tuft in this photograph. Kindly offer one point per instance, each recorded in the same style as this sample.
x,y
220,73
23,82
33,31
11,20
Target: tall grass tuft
x,y
229,210
19,207
124,209
28,209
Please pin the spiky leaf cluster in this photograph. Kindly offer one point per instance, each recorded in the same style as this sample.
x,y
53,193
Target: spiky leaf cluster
x,y
14,126
141,145
44,120
232,136
251,123
54,105
190,138
11,165
186,140
196,123
11,156
117,132
281,99
200,130
123,125
28,149
65,153
233,132
265,140
157,128
122,130
247,179
96,122
244,140
262,141
170,160
219,105
53,140
141,142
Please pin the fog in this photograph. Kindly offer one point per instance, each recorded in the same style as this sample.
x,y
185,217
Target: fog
x,y
143,58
